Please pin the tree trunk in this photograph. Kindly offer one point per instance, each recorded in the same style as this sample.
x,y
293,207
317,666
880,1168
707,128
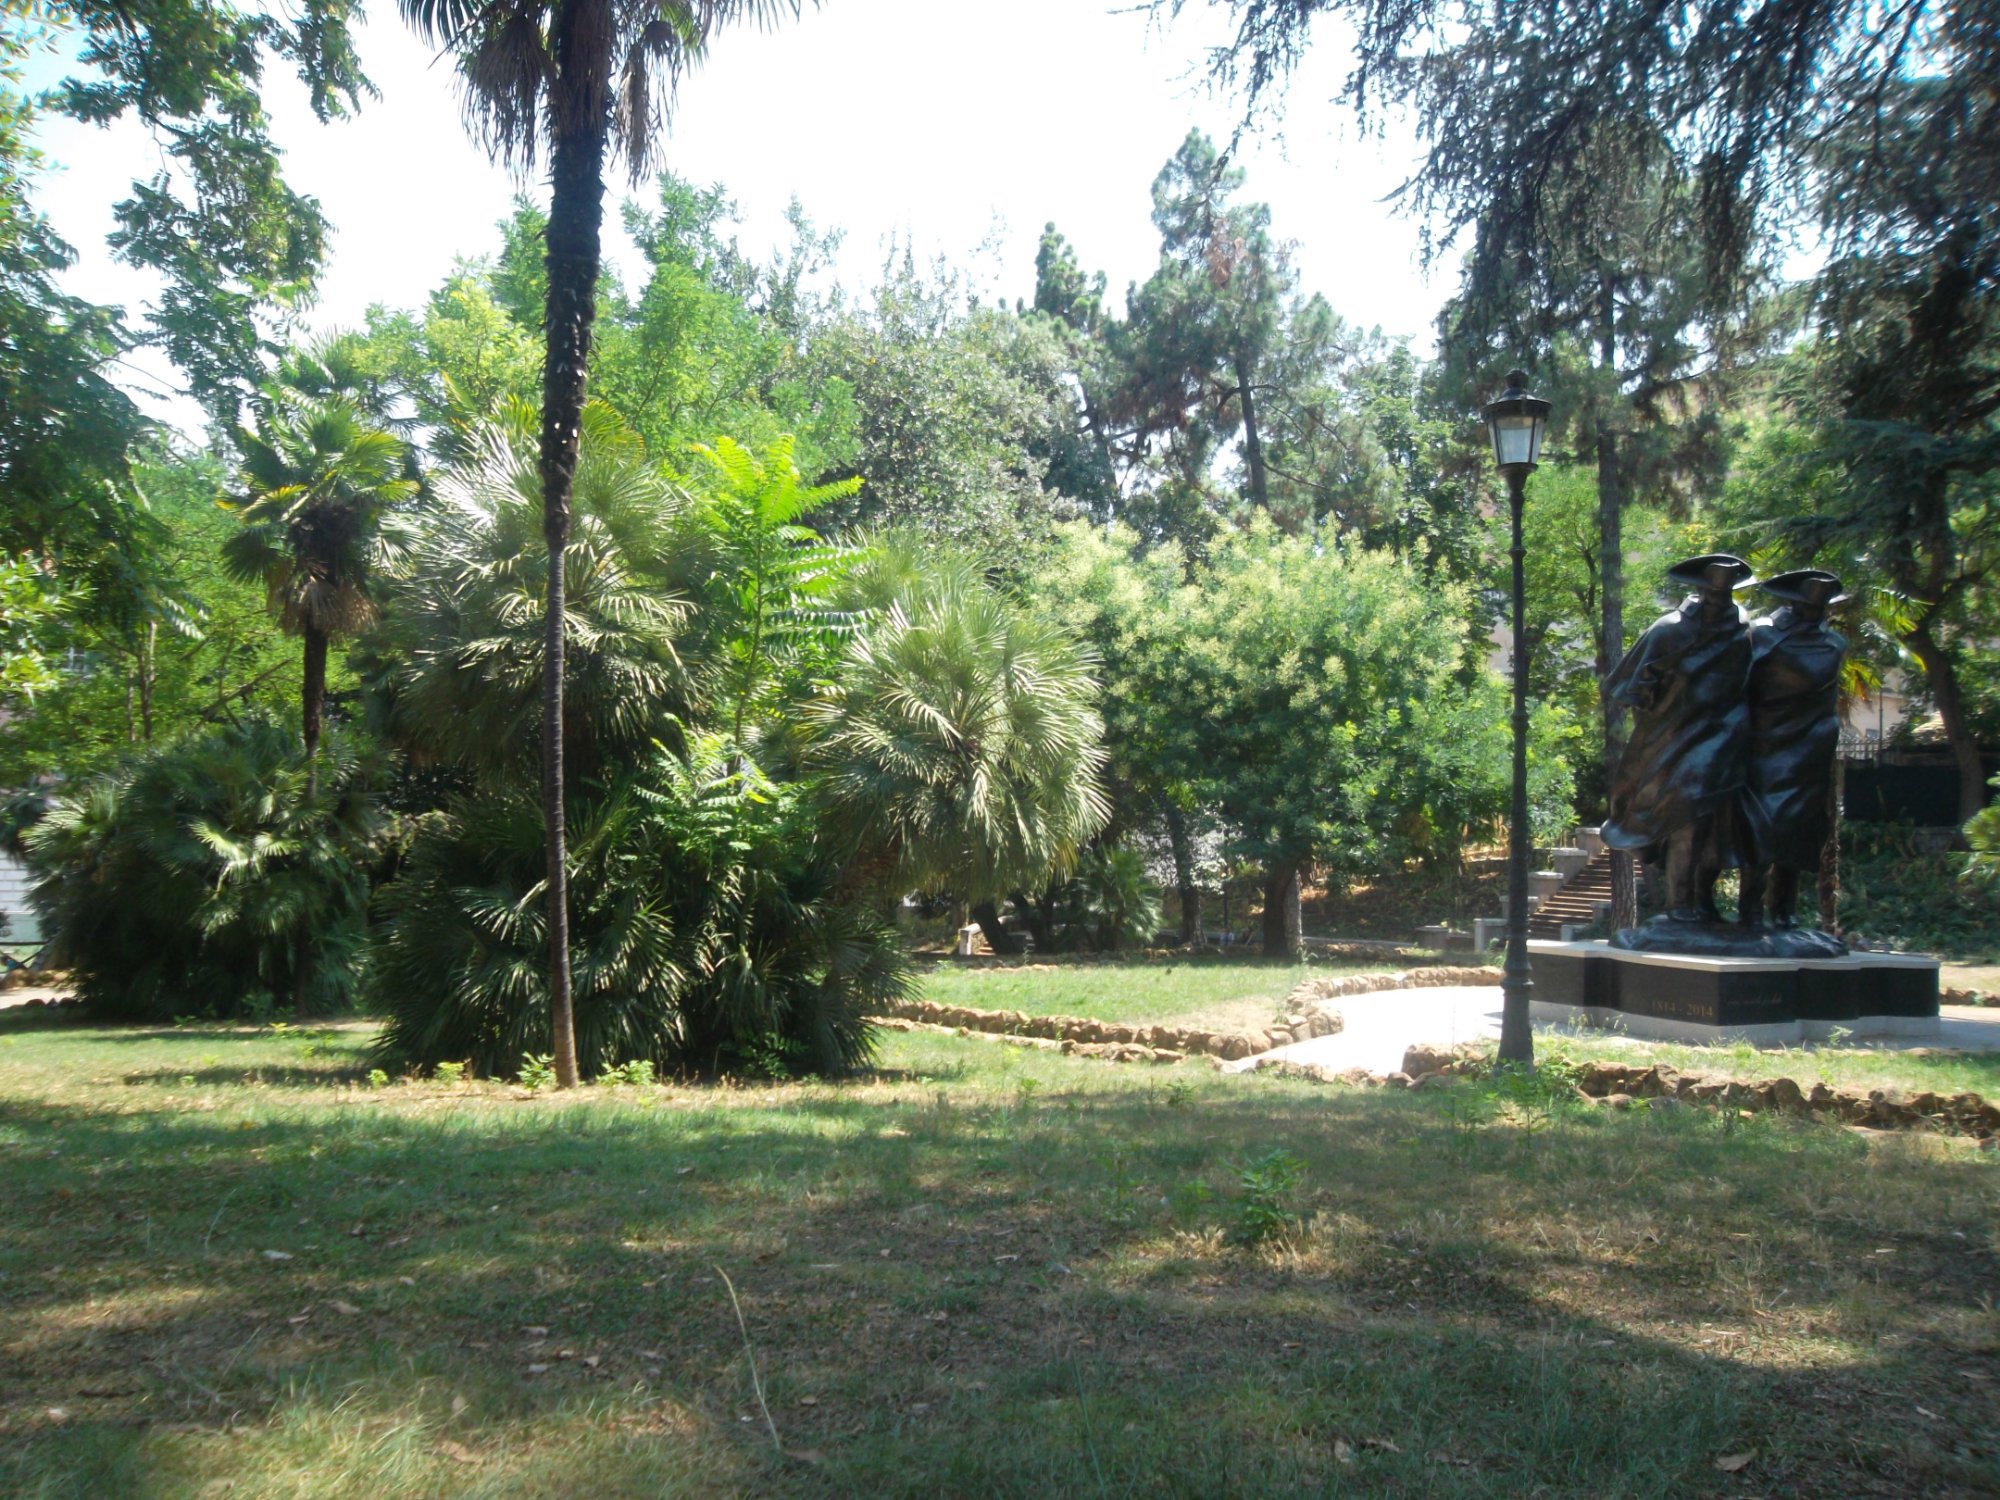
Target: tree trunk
x,y
1253,442
1283,935
998,938
1190,894
1942,676
301,958
1041,914
1611,592
1829,852
581,110
147,670
312,695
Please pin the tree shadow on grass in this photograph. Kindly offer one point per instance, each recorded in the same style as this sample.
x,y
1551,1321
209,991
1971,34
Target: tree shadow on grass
x,y
95,1029
951,1295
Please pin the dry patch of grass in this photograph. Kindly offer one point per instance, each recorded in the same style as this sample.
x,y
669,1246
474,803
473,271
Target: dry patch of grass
x,y
977,1271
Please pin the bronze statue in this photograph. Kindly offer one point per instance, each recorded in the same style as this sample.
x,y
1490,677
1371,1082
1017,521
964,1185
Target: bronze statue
x,y
1794,734
1675,794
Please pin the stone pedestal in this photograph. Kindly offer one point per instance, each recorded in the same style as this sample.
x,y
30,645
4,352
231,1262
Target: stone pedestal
x,y
1567,862
1774,1000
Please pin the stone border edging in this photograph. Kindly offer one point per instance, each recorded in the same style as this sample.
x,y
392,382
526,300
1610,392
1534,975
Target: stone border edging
x,y
1305,1018
1082,1032
1623,1085
1628,1085
1104,1051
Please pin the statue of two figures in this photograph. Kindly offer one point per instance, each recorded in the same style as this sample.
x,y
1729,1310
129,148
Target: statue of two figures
x,y
1735,726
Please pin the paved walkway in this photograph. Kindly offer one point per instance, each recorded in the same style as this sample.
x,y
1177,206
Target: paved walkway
x,y
1380,1027
22,997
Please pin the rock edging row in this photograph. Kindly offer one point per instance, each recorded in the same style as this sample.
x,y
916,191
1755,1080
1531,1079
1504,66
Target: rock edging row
x,y
1305,1018
1102,1038
1631,1085
1124,1052
1626,1085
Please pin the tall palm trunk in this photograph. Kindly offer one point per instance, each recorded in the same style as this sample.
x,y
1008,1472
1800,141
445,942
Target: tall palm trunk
x,y
312,711
1611,580
312,693
580,126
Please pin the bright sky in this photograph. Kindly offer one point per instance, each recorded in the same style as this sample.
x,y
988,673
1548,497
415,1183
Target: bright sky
x,y
949,126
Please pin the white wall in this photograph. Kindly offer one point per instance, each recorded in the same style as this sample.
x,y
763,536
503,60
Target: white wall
x,y
22,924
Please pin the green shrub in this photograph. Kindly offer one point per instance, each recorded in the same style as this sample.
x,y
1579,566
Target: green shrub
x,y
636,1074
217,876
707,933
1111,901
1897,887
536,1073
1266,1192
1982,832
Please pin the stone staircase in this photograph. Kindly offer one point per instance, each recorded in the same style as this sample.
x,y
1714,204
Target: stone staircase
x,y
1577,902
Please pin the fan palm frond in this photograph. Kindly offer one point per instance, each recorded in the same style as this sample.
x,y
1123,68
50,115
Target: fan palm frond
x,y
216,876
960,741
456,669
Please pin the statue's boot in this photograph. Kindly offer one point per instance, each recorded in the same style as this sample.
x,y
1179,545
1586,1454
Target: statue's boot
x,y
1784,895
1683,877
1750,897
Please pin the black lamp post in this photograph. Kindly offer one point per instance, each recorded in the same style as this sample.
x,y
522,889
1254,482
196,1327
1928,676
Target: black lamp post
x,y
1517,421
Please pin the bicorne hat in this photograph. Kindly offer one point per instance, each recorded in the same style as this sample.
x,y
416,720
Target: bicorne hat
x,y
1806,586
1718,570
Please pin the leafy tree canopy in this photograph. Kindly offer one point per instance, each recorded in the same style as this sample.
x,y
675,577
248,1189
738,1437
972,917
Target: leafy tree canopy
x,y
234,244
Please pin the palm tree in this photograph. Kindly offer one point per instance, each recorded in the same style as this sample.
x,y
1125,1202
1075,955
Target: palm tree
x,y
535,68
214,874
317,480
960,741
454,673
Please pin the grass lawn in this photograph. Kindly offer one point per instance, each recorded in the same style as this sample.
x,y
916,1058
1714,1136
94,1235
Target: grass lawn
x,y
1219,994
227,1263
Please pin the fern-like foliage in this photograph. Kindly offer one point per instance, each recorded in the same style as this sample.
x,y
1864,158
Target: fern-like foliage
x,y
707,931
778,579
217,876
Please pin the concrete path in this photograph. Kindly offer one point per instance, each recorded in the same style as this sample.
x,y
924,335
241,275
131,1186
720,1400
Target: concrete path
x,y
1379,1027
23,996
